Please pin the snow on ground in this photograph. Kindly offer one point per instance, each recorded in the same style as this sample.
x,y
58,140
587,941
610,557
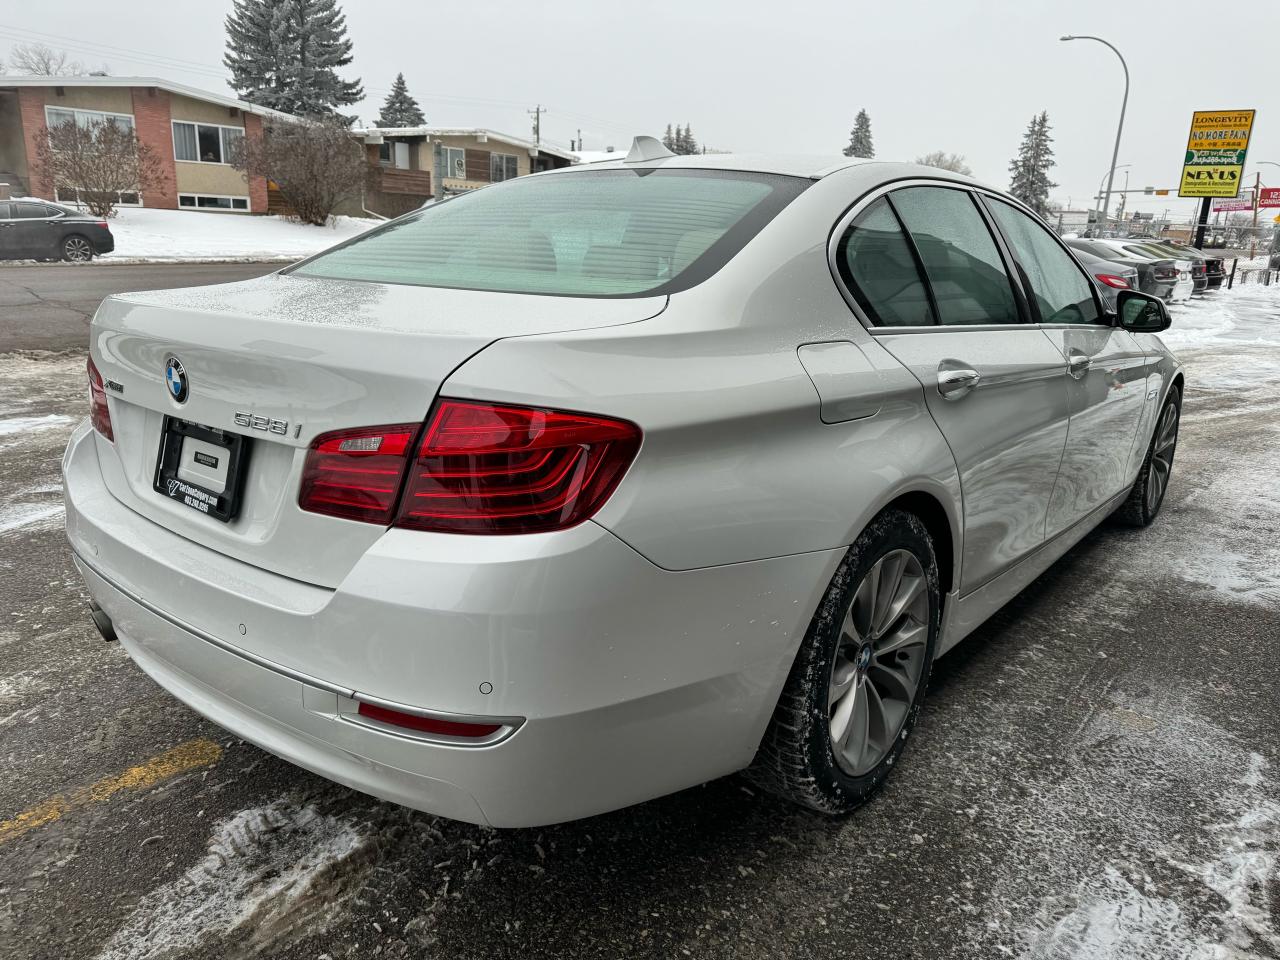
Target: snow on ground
x,y
1245,314
263,871
176,235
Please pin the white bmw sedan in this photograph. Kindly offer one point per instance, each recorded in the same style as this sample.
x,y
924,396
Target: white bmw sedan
x,y
597,484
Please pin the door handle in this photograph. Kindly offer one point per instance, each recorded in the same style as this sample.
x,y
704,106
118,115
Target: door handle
x,y
954,384
1077,364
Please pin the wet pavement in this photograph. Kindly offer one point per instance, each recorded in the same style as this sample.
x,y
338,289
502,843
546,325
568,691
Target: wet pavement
x,y
1095,773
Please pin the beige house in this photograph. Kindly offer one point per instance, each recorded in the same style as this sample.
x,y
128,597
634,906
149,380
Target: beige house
x,y
402,162
192,132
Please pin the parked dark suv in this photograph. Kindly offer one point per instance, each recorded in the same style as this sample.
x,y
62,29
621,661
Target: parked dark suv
x,y
36,230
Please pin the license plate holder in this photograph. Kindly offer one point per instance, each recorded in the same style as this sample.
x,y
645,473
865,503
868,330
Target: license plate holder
x,y
190,468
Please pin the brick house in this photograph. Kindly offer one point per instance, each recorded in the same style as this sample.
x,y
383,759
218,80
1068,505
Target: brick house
x,y
191,131
402,161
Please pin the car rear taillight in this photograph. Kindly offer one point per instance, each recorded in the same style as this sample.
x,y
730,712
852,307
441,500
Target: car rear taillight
x,y
1111,280
488,469
103,224
1165,273
479,468
99,412
448,728
356,474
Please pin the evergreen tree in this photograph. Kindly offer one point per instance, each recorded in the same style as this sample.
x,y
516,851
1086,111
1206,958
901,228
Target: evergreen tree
x,y
283,54
400,109
1029,170
690,144
860,138
669,139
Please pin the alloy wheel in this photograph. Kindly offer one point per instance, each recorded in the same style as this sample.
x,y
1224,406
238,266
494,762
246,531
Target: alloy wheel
x,y
1162,456
878,662
77,250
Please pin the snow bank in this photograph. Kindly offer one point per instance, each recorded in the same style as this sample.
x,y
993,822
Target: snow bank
x,y
176,235
1248,314
261,872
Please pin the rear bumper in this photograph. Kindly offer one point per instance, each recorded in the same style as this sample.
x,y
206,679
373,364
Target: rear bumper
x,y
617,681
103,242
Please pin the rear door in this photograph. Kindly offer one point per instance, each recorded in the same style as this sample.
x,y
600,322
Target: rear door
x,y
929,275
8,246
32,230
1106,368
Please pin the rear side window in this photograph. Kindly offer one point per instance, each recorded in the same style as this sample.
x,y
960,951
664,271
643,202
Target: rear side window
x,y
875,261
960,257
1059,290
28,211
604,233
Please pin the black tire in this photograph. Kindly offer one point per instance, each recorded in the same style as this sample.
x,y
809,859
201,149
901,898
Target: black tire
x,y
1148,493
797,757
77,249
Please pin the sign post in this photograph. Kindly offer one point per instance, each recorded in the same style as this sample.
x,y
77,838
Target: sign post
x,y
1214,161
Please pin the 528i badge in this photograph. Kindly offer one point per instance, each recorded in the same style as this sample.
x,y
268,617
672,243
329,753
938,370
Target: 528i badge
x,y
265,424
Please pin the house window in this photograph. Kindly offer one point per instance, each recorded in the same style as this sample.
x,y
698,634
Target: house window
x,y
503,166
205,201
394,153
75,197
205,142
56,116
455,162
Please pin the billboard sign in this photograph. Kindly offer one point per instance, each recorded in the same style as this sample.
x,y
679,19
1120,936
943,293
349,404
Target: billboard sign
x,y
1244,202
1269,197
1216,148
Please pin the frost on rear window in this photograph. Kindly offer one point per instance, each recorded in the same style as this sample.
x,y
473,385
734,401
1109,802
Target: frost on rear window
x,y
601,233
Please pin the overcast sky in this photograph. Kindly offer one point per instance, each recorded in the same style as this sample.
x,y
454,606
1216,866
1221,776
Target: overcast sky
x,y
959,76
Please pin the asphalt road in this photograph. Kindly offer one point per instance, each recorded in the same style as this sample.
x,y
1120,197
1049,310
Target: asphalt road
x,y
48,307
1095,774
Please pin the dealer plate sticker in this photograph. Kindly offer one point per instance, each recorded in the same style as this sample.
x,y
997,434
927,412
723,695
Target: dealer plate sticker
x,y
193,497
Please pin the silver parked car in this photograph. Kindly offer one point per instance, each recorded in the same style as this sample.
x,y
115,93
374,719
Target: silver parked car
x,y
598,484
1110,276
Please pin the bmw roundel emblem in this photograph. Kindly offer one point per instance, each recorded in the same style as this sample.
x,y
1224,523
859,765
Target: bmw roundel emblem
x,y
175,379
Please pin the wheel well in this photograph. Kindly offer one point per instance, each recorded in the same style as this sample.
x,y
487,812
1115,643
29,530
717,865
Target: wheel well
x,y
1177,382
934,516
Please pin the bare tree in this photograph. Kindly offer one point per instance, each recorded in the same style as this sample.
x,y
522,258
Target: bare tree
x,y
42,61
946,161
317,164
99,161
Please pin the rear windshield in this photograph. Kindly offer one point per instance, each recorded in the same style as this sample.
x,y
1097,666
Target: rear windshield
x,y
602,233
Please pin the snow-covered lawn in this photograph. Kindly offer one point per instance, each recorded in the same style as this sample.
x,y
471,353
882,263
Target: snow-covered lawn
x,y
161,235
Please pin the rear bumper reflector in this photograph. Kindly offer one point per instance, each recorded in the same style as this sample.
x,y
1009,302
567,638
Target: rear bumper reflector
x,y
446,728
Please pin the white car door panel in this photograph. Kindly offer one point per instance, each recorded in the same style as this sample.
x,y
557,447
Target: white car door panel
x,y
995,386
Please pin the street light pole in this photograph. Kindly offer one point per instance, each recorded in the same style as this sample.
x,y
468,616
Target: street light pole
x,y
1098,196
1115,153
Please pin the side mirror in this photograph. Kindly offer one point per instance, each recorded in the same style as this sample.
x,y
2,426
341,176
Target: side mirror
x,y
1141,312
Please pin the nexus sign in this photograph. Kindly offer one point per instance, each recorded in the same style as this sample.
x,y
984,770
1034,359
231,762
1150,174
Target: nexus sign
x,y
1216,149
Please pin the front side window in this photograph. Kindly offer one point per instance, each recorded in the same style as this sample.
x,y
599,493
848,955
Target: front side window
x,y
960,257
604,233
503,166
875,261
1060,292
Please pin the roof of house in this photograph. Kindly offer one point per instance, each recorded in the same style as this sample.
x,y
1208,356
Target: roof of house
x,y
179,88
463,132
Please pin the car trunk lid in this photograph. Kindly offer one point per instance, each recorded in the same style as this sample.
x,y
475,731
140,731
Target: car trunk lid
x,y
280,360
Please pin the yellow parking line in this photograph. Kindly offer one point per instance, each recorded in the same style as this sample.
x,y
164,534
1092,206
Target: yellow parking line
x,y
184,757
